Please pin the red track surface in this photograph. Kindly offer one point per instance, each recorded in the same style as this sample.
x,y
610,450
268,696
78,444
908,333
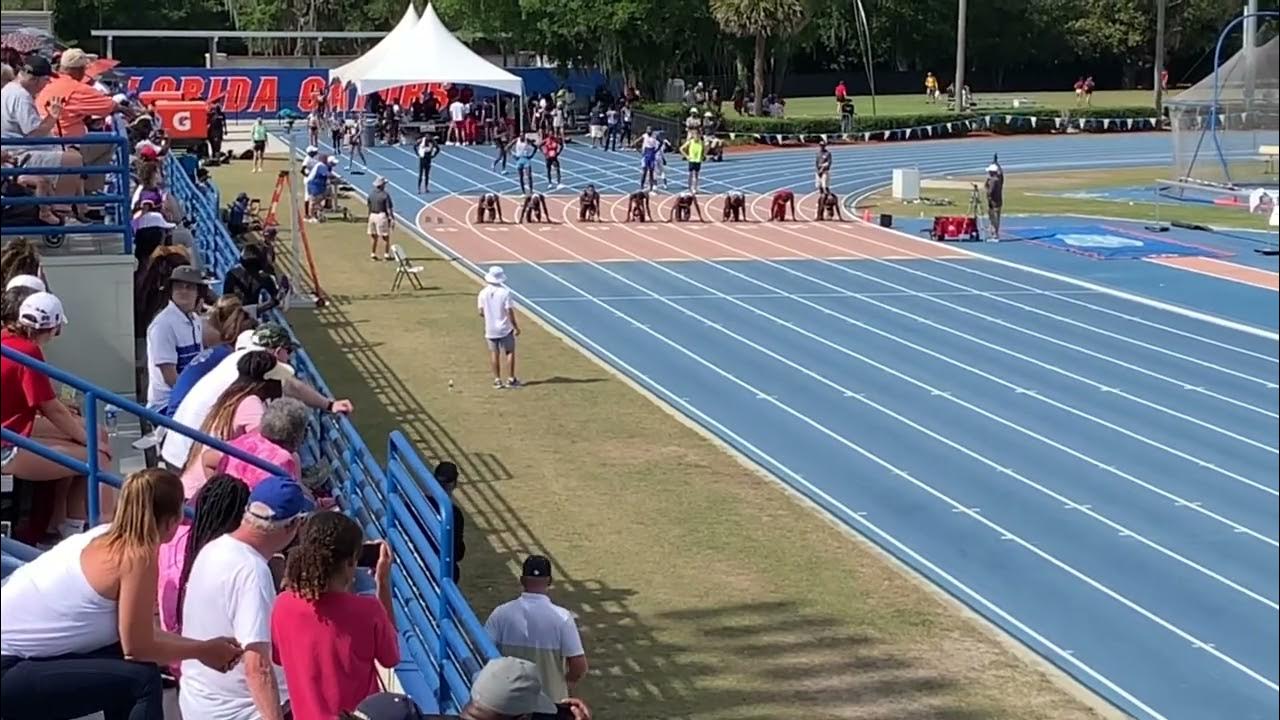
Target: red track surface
x,y
452,221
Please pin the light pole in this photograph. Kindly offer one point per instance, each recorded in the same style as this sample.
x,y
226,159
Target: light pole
x,y
1159,64
960,32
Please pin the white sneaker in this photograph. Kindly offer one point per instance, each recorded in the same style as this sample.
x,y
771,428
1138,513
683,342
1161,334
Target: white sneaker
x,y
373,256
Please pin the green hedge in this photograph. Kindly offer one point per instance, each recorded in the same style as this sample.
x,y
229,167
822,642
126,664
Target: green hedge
x,y
1005,121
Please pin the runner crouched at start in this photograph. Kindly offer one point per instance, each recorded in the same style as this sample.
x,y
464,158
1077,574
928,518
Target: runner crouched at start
x,y
489,209
829,206
589,205
534,209
735,206
781,200
638,207
685,205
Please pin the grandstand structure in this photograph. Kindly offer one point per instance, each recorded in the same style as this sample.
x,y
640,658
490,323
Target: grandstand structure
x,y
396,499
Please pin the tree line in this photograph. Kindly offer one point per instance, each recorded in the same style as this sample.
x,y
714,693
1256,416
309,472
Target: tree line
x,y
645,42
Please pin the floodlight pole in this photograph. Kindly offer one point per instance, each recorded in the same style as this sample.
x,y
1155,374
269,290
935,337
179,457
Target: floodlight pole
x,y
1159,64
960,33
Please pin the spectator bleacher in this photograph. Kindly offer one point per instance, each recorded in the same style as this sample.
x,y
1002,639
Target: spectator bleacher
x,y
442,643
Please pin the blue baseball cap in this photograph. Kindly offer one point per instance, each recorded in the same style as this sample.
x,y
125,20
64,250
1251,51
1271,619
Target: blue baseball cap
x,y
279,499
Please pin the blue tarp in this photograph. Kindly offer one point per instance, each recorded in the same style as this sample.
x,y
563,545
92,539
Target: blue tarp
x,y
1107,242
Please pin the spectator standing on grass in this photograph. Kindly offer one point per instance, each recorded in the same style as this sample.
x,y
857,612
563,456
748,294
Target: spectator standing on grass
x,y
317,182
329,640
382,213
77,624
846,117
842,94
258,134
533,628
231,592
446,473
500,325
175,336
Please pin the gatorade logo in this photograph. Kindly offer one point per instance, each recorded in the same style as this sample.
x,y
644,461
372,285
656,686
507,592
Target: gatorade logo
x,y
182,121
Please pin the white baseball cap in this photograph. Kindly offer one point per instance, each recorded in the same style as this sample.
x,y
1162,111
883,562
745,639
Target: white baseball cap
x,y
993,168
26,281
312,149
42,311
495,276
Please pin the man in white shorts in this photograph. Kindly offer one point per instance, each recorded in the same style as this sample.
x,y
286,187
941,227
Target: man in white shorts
x,y
500,326
381,216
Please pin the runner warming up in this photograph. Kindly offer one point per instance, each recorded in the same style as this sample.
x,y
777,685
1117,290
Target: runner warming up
x,y
489,209
693,150
534,209
822,167
829,206
427,151
589,205
781,200
735,206
502,143
524,151
551,146
638,207
649,145
684,204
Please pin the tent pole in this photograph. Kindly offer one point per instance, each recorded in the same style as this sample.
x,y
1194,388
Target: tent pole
x,y
521,110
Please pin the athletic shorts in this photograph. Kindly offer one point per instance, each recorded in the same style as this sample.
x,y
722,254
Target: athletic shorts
x,y
695,166
522,163
506,344
648,160
259,145
597,131
379,224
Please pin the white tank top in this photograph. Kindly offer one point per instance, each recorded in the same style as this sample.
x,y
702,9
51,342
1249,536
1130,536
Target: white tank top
x,y
48,608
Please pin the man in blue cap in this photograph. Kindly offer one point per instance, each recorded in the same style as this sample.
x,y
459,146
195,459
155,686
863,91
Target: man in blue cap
x,y
230,593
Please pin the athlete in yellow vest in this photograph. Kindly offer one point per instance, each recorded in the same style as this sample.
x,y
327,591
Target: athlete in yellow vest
x,y
693,150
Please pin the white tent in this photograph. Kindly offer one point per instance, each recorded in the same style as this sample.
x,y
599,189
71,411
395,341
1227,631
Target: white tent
x,y
356,68
429,53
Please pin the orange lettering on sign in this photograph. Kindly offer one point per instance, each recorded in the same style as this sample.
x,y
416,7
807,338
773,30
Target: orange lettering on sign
x,y
192,87
237,95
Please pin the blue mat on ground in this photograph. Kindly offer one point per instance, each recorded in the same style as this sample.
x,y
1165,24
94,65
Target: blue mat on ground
x,y
1108,242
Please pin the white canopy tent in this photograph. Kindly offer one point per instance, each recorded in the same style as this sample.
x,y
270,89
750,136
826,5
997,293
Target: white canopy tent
x,y
429,53
356,68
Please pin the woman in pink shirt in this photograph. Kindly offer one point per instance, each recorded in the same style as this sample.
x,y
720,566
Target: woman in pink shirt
x,y
280,432
237,411
329,640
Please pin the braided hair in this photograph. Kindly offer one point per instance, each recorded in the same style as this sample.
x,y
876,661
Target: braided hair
x,y
328,544
219,506
19,257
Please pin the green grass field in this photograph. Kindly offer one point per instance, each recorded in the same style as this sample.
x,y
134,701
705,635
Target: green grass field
x,y
704,591
1030,194
916,103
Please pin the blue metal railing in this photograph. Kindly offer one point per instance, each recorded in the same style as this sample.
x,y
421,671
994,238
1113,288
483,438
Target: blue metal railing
x,y
89,409
402,503
116,200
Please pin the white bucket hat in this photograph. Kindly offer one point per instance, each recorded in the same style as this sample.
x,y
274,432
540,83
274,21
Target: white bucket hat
x,y
495,276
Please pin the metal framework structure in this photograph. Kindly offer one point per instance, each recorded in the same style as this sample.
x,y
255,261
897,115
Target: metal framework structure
x,y
212,36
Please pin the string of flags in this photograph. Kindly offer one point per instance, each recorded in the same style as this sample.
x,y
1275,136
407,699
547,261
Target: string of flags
x,y
937,130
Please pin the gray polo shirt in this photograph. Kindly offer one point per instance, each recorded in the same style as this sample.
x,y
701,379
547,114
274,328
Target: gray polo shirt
x,y
19,112
379,201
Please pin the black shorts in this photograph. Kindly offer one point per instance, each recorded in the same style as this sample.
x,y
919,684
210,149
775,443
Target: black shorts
x,y
259,145
553,161
695,166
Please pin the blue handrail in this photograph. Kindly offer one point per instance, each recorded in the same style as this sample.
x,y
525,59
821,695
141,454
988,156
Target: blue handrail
x,y
400,502
117,202
92,396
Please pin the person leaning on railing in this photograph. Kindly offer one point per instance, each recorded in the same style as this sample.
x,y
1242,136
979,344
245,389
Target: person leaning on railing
x,y
199,402
329,640
277,440
30,407
77,624
239,410
19,118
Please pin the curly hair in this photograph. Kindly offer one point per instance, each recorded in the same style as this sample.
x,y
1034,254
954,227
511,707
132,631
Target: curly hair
x,y
219,506
328,544
19,257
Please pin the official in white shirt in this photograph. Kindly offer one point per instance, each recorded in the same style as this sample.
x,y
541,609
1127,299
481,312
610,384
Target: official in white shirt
x,y
500,326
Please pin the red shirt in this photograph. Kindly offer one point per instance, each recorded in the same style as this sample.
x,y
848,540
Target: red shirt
x,y
328,650
783,196
551,147
22,390
841,92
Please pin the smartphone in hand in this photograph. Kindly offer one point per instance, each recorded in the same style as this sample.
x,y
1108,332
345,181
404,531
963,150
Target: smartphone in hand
x,y
369,554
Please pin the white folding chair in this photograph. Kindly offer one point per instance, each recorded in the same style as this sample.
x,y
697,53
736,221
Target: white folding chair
x,y
405,269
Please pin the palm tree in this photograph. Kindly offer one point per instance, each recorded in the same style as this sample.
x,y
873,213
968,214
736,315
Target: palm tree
x,y
760,20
